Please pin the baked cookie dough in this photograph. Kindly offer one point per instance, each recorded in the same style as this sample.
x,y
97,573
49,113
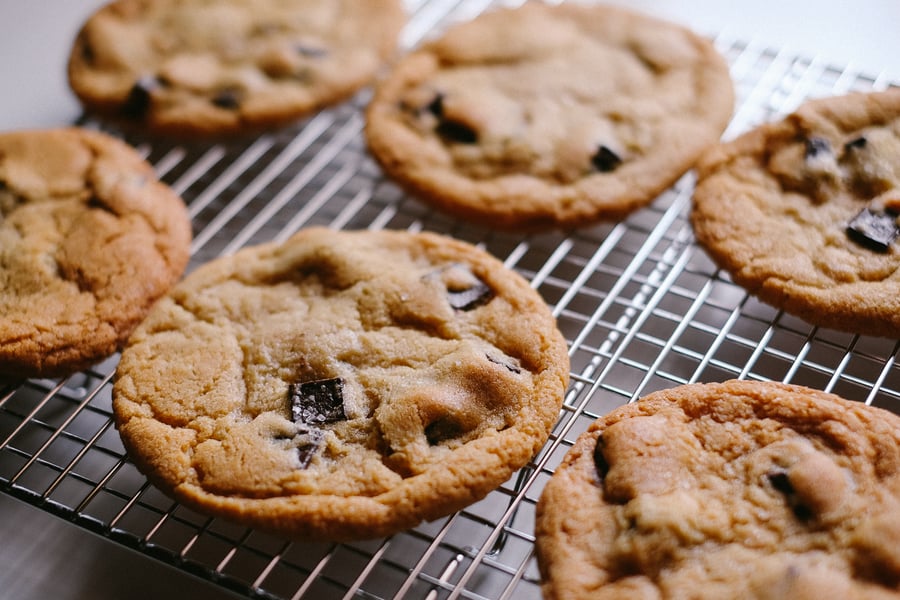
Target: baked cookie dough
x,y
211,67
804,212
343,385
89,239
732,490
549,116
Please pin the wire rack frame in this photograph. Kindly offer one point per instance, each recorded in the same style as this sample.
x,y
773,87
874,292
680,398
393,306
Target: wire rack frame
x,y
641,307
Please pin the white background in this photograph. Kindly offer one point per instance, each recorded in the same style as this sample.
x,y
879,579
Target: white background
x,y
43,557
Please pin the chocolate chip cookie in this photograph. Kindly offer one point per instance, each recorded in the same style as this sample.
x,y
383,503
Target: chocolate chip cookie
x,y
804,212
731,490
549,116
200,68
89,239
342,385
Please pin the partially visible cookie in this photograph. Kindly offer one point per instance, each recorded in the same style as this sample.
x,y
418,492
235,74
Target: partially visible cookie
x,y
805,212
731,490
89,239
202,68
549,116
343,385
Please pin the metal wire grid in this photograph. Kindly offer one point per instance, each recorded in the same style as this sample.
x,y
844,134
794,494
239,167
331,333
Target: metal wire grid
x,y
641,306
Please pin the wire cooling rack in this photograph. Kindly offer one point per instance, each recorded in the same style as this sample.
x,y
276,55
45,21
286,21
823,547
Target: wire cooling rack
x,y
641,306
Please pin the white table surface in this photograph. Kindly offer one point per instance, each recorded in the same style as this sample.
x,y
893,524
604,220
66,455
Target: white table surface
x,y
44,557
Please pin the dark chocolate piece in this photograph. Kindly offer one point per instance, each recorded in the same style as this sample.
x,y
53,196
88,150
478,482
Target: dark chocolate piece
x,y
436,106
311,51
139,98
442,430
600,460
229,99
317,402
782,483
816,146
509,367
856,144
874,230
605,160
471,297
454,131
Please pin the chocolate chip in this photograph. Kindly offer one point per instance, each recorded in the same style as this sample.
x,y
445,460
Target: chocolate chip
x,y
454,131
874,230
442,430
816,147
469,298
782,483
509,367
857,144
310,51
317,402
308,447
599,460
229,99
605,160
436,106
140,97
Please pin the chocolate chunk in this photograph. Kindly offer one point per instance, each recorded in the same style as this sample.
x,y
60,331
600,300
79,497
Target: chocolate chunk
x,y
442,430
454,131
599,460
816,147
857,144
782,483
469,298
139,98
874,230
605,160
436,106
509,367
229,99
311,51
317,402
308,447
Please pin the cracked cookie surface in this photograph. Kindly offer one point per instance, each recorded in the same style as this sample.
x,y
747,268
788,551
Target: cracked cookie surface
x,y
549,116
343,384
203,67
89,239
804,212
731,490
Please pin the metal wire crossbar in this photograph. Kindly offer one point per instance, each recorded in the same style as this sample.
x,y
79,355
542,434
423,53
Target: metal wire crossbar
x,y
642,308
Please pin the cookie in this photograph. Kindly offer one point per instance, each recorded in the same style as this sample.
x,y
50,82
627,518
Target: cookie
x,y
731,490
803,212
200,68
343,385
549,116
89,239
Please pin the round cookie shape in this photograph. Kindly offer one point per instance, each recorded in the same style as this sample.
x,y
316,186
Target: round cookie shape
x,y
731,490
342,385
89,239
546,117
803,212
200,68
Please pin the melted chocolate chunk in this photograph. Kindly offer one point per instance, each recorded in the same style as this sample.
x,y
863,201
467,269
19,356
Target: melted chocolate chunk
x,y
436,106
782,483
605,160
509,367
857,144
816,147
308,447
599,460
874,230
469,298
140,97
442,430
317,402
454,131
311,51
229,99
